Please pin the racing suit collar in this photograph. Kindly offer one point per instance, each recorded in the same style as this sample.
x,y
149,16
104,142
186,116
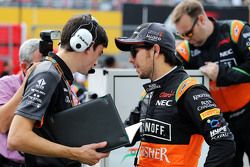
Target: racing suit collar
x,y
157,84
68,74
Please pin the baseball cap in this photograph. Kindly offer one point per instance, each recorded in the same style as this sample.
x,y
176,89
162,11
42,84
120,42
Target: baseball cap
x,y
153,33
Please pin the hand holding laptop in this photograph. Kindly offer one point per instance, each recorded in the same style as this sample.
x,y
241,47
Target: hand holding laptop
x,y
87,154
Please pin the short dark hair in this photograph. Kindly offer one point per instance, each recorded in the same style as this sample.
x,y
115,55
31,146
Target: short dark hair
x,y
83,21
169,56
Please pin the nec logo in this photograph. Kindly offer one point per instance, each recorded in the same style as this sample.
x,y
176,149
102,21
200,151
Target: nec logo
x,y
164,103
226,53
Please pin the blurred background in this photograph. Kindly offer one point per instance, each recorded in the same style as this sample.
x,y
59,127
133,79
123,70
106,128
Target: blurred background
x,y
24,19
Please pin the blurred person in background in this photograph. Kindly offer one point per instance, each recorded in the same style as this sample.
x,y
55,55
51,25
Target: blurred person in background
x,y
11,89
7,68
220,49
110,62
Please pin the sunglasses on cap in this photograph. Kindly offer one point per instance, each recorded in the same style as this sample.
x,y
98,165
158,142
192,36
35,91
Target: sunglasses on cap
x,y
134,49
189,33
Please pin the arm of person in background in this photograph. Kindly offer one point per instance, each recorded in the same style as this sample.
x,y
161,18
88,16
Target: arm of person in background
x,y
225,75
7,110
207,119
22,138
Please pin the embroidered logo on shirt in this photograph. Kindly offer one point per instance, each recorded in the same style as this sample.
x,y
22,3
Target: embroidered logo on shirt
x,y
41,83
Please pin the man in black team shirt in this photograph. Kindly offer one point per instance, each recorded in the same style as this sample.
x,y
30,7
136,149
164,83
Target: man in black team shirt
x,y
221,50
48,91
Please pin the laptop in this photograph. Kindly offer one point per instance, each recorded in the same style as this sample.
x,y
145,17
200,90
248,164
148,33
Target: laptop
x,y
91,122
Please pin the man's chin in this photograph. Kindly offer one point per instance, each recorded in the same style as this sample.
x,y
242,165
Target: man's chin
x,y
142,76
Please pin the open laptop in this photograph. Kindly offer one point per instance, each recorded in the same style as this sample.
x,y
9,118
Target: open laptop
x,y
91,122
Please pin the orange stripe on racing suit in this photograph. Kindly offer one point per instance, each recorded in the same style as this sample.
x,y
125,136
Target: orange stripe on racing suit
x,y
230,98
161,155
187,83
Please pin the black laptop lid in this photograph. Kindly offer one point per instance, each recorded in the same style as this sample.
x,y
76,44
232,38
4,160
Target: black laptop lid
x,y
91,122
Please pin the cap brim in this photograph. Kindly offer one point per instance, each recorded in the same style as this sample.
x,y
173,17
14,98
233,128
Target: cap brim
x,y
124,44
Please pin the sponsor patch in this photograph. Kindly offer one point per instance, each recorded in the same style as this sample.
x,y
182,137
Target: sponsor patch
x,y
209,113
226,53
156,129
203,95
219,132
166,103
214,123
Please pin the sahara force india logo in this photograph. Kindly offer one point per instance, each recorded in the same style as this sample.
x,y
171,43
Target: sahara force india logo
x,y
40,84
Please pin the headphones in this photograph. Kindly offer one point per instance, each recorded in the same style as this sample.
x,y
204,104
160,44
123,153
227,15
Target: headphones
x,y
82,38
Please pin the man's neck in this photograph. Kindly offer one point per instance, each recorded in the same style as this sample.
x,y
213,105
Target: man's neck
x,y
161,71
68,59
210,28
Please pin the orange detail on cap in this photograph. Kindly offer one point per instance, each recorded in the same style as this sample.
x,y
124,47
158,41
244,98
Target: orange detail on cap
x,y
183,50
236,28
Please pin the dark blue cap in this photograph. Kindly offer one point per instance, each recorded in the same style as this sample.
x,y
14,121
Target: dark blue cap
x,y
153,33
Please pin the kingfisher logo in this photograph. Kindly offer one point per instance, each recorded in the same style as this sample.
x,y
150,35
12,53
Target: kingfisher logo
x,y
41,83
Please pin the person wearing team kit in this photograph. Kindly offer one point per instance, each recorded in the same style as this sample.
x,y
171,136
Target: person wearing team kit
x,y
177,113
48,92
220,49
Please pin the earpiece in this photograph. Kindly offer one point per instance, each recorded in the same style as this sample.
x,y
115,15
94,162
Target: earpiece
x,y
81,40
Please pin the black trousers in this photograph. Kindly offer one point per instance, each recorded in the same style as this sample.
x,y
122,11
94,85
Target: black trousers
x,y
239,124
4,162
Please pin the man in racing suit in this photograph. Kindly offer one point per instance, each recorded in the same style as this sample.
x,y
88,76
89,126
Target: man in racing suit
x,y
220,49
178,113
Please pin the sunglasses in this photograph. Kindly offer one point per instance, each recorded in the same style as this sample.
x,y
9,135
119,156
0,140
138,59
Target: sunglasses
x,y
134,49
189,33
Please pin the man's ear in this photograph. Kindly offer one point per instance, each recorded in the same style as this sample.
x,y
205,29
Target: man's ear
x,y
156,48
202,19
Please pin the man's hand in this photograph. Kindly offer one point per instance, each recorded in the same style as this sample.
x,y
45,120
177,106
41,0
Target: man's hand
x,y
87,154
211,70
